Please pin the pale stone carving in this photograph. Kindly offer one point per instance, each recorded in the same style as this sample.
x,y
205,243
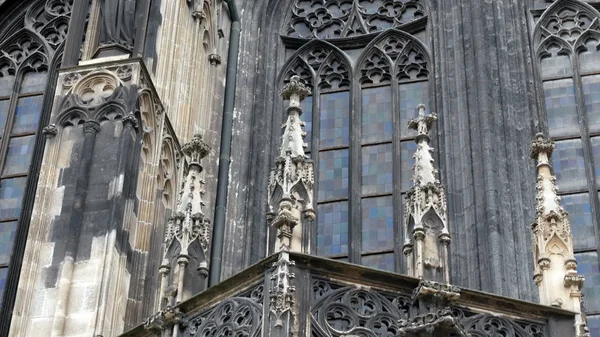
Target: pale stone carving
x,y
426,230
291,182
188,231
556,274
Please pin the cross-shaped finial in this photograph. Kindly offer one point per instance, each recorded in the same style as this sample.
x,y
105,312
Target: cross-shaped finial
x,y
422,124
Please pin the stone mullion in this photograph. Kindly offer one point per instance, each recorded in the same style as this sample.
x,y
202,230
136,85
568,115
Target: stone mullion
x,y
315,150
12,106
398,200
355,176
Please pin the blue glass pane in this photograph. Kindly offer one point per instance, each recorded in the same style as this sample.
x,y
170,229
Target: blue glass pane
x,y
591,94
333,175
561,108
3,115
556,65
335,119
7,84
377,114
589,59
587,265
28,114
377,224
7,238
596,154
3,276
11,197
594,325
411,95
377,167
19,154
34,82
569,166
379,261
580,216
408,149
332,229
307,108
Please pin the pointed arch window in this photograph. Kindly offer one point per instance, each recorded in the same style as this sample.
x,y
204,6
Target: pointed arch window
x,y
567,41
27,53
356,120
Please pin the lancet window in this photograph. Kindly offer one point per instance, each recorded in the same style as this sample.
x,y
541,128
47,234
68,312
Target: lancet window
x,y
356,119
27,47
567,41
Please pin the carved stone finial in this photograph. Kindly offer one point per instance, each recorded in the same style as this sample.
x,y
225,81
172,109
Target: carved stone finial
x,y
296,91
130,121
196,149
291,182
540,145
556,274
426,228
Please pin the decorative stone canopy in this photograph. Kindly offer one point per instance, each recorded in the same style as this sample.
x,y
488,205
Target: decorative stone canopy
x,y
426,231
291,182
188,231
556,268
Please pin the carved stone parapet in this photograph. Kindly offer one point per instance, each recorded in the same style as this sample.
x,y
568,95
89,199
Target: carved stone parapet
x,y
50,131
214,59
440,322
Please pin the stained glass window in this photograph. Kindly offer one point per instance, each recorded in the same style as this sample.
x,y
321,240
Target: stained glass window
x,y
360,104
589,58
335,119
380,261
411,95
377,164
569,165
7,237
377,224
580,216
332,229
594,325
561,108
556,65
19,118
333,174
587,264
591,95
377,114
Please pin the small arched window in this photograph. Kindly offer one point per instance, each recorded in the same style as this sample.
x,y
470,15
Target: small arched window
x,y
368,72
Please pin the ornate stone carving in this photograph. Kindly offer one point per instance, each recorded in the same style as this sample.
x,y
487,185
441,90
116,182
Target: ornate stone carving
x,y
164,319
426,230
439,323
349,18
291,182
281,294
214,59
188,231
50,131
556,268
443,293
124,72
329,65
238,316
118,22
70,80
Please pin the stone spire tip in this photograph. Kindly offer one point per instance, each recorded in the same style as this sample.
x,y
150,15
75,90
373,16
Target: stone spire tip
x,y
295,91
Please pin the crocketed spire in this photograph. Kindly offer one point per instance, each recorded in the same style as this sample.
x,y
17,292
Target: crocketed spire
x,y
426,231
291,181
556,268
188,232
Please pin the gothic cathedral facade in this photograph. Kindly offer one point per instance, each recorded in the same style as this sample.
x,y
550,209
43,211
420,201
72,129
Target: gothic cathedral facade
x,y
245,168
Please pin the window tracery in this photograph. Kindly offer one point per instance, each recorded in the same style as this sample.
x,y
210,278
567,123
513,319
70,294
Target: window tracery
x,y
356,120
325,19
566,38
